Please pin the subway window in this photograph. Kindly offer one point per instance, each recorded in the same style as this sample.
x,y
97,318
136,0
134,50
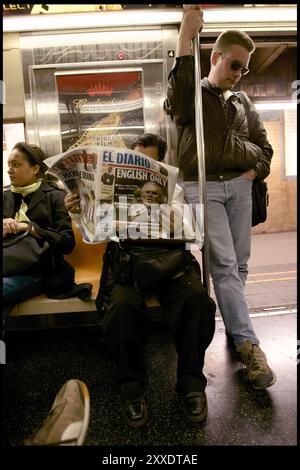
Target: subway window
x,y
12,133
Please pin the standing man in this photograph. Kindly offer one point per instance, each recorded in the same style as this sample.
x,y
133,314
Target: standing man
x,y
236,152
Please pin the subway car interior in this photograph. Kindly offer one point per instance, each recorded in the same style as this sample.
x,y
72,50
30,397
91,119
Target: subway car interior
x,y
97,75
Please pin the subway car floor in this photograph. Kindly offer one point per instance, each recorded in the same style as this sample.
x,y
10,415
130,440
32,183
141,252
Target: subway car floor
x,y
39,362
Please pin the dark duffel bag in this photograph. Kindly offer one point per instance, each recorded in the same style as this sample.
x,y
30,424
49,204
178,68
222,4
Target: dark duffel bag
x,y
150,270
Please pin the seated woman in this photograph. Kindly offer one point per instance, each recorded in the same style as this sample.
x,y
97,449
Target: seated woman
x,y
31,198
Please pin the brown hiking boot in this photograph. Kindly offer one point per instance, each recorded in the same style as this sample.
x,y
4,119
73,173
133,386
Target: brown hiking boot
x,y
258,372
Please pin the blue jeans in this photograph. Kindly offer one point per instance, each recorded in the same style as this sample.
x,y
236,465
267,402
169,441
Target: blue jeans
x,y
19,288
229,216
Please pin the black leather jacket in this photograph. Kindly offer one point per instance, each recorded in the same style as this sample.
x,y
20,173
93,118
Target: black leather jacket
x,y
48,213
51,220
229,151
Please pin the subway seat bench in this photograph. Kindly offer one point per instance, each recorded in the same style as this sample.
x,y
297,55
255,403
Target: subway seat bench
x,y
87,261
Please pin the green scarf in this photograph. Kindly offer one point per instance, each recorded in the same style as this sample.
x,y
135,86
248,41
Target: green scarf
x,y
21,216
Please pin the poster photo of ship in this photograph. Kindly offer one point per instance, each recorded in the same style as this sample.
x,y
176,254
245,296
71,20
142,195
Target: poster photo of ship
x,y
100,108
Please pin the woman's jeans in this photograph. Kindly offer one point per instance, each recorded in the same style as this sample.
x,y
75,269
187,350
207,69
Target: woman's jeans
x,y
19,288
229,217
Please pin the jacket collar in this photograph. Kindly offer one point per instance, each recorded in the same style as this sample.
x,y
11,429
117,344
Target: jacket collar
x,y
206,84
38,196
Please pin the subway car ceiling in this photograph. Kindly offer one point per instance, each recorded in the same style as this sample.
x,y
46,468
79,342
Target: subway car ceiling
x,y
275,57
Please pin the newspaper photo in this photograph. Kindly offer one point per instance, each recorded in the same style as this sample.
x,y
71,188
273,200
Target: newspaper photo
x,y
124,194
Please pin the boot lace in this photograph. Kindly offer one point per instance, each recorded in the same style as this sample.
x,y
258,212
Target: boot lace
x,y
255,359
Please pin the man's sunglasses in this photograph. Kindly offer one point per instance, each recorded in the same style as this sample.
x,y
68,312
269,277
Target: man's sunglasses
x,y
236,65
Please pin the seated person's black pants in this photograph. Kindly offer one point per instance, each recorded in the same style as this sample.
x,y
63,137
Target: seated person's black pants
x,y
190,313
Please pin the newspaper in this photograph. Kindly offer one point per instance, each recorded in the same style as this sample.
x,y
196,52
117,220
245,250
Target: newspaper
x,y
123,193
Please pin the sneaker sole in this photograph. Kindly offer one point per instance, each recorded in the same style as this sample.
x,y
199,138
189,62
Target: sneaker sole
x,y
86,417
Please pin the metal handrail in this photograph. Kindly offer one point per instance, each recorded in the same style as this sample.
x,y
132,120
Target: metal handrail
x,y
201,158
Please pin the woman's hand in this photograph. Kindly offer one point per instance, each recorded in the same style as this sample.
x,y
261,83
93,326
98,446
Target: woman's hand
x,y
10,226
72,203
22,226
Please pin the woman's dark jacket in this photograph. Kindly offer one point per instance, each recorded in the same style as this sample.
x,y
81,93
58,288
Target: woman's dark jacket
x,y
51,220
229,151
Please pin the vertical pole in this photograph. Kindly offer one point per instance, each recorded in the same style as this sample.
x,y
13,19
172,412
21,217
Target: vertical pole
x,y
201,159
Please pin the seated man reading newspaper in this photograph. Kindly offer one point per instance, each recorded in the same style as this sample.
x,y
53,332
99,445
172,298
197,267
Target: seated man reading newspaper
x,y
134,268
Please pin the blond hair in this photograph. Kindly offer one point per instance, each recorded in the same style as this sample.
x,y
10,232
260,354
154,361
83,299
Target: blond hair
x,y
232,37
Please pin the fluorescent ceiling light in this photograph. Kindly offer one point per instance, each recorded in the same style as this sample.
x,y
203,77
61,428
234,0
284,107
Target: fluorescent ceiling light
x,y
74,39
265,106
137,18
249,15
90,20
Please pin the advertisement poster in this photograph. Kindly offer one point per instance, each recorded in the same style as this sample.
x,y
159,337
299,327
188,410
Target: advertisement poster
x,y
100,108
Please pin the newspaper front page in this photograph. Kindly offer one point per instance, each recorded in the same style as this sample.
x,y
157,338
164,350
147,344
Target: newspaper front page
x,y
123,193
